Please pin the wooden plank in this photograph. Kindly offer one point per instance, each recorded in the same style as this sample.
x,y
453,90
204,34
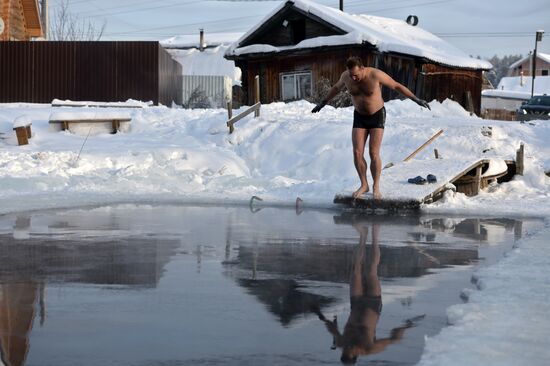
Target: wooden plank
x,y
369,203
412,155
240,116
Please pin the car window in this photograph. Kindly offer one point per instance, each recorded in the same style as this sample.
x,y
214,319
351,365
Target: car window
x,y
539,101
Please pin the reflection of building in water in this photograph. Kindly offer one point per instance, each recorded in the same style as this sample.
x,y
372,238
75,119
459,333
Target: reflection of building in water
x,y
332,262
127,261
477,229
18,302
284,298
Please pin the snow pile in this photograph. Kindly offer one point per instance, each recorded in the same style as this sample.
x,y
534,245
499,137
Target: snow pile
x,y
208,62
503,323
188,156
193,40
386,34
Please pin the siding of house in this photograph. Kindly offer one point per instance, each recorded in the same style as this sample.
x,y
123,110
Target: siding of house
x,y
38,72
441,82
526,68
428,81
270,69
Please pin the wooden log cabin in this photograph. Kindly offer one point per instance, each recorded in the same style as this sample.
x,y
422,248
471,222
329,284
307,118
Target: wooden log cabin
x,y
301,42
20,19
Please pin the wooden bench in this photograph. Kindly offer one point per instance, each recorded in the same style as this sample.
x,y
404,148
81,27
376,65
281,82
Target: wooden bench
x,y
22,127
89,115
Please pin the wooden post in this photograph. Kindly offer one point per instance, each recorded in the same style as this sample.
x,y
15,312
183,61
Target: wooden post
x,y
520,160
229,110
477,184
257,94
436,153
21,133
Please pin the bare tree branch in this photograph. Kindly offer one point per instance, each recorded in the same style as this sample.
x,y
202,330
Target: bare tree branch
x,y
69,27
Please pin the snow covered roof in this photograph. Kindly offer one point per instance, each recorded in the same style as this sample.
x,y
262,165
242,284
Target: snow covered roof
x,y
208,62
542,56
513,83
386,34
192,40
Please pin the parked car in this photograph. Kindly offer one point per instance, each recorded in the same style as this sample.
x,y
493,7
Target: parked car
x,y
537,107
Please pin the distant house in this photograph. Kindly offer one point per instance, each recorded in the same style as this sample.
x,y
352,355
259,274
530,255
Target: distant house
x,y
525,65
301,42
203,66
511,92
20,20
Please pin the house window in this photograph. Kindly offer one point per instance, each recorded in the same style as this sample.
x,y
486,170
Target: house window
x,y
295,86
544,72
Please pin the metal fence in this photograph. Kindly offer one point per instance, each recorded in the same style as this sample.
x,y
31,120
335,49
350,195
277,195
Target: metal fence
x,y
38,72
218,89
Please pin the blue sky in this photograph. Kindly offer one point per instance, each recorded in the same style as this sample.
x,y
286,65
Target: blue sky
x,y
478,27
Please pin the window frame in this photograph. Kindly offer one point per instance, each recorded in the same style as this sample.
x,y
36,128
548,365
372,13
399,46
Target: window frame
x,y
295,75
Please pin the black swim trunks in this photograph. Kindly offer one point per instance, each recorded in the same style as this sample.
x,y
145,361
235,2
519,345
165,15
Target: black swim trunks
x,y
367,302
375,120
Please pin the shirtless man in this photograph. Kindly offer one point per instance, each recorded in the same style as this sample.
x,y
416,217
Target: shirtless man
x,y
364,85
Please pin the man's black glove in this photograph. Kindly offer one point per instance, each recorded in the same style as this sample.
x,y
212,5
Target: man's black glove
x,y
319,106
422,103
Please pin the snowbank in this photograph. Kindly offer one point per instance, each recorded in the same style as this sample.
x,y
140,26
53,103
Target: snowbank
x,y
503,323
188,155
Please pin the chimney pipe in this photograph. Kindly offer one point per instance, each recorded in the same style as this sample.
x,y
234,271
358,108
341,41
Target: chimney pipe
x,y
201,40
341,5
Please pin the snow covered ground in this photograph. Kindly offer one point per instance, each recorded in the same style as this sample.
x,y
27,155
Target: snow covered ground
x,y
187,155
176,155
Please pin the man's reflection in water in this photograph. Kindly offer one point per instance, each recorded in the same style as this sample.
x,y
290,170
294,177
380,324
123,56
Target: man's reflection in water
x,y
359,337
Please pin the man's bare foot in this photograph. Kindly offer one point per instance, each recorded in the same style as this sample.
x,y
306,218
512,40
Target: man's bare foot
x,y
360,191
376,194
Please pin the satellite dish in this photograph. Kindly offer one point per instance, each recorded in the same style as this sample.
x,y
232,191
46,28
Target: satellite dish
x,y
1,25
412,20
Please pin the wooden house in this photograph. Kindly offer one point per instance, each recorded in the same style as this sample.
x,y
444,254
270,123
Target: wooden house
x,y
300,42
525,66
20,20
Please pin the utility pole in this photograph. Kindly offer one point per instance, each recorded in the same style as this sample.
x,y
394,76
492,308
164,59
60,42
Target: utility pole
x,y
534,67
341,5
44,17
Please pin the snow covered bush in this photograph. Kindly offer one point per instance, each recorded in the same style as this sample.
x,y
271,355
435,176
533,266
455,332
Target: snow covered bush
x,y
322,87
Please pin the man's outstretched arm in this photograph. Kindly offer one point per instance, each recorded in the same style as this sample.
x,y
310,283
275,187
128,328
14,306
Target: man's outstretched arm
x,y
336,88
387,81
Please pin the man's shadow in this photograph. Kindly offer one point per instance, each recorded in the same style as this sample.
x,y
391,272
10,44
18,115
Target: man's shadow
x,y
359,333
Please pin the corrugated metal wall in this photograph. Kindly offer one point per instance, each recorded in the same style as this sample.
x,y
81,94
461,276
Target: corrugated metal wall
x,y
217,88
38,72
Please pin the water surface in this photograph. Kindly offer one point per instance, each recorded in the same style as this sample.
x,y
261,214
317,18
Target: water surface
x,y
177,285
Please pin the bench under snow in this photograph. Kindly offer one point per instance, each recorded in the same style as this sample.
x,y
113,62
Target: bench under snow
x,y
22,128
89,115
127,104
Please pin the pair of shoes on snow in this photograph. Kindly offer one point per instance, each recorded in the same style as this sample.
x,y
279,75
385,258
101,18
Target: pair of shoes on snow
x,y
419,180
